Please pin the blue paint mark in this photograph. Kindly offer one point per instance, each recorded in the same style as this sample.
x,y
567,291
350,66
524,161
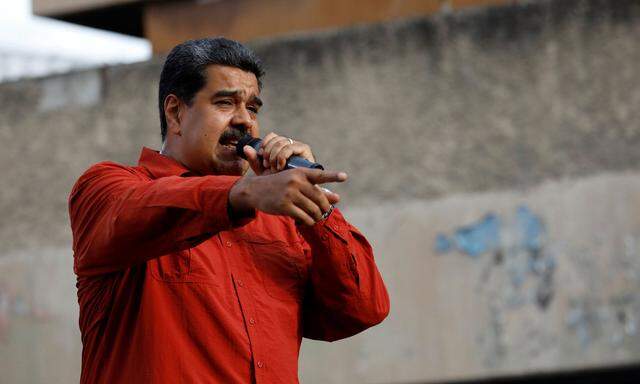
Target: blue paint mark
x,y
478,238
578,320
518,275
542,265
443,244
484,235
527,255
530,228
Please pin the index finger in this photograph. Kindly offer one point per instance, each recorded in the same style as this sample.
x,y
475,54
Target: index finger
x,y
318,176
267,139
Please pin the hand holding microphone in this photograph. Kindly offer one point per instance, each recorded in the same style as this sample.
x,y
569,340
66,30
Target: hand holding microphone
x,y
276,153
286,182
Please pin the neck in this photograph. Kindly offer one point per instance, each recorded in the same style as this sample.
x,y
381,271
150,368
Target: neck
x,y
163,150
166,150
169,151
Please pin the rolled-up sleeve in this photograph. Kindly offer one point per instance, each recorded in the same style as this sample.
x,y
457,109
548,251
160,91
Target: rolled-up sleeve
x,y
346,294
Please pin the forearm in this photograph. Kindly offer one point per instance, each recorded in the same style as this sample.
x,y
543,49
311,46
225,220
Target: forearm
x,y
170,213
348,294
119,220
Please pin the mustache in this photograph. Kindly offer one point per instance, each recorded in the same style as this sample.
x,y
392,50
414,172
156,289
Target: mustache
x,y
232,135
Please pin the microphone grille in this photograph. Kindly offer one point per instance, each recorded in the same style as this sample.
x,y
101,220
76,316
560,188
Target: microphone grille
x,y
253,142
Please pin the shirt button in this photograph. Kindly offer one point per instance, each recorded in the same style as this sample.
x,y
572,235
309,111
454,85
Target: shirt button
x,y
260,364
228,244
252,321
240,283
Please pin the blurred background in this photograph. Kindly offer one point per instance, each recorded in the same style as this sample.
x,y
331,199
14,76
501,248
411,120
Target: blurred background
x,y
492,148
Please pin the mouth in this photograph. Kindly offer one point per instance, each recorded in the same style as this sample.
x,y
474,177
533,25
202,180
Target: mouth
x,y
229,140
230,145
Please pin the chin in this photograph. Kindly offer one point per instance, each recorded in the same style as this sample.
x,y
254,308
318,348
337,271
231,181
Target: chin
x,y
234,168
235,173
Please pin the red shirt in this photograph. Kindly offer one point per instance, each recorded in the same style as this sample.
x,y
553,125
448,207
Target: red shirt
x,y
172,291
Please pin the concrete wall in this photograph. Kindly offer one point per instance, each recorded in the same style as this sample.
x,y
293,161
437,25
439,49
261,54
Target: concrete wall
x,y
493,166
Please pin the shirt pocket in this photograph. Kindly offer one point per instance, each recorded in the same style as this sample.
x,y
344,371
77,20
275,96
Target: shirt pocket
x,y
184,266
173,267
282,267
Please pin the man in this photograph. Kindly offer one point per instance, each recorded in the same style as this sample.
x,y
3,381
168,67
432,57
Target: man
x,y
190,272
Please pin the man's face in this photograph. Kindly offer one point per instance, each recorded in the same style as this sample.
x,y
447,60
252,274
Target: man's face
x,y
224,110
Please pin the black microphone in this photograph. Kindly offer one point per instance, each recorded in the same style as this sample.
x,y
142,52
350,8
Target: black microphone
x,y
292,162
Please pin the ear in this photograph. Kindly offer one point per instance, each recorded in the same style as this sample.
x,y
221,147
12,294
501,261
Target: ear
x,y
172,113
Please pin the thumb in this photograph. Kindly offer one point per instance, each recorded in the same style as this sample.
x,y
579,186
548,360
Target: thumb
x,y
317,176
252,158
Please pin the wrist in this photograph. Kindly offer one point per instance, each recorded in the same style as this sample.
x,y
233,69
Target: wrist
x,y
239,202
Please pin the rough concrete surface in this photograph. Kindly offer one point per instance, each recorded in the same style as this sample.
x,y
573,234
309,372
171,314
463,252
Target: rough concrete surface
x,y
39,336
493,161
564,297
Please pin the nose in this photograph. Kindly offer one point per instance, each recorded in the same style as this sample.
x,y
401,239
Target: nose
x,y
243,121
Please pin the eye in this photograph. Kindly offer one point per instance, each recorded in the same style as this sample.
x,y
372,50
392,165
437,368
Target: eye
x,y
224,102
253,109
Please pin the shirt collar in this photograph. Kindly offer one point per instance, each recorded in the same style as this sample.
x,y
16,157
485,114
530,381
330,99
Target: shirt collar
x,y
159,165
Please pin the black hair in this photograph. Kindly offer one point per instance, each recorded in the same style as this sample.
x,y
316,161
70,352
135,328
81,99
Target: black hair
x,y
184,70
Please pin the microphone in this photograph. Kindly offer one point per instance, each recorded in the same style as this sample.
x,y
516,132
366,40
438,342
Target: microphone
x,y
292,162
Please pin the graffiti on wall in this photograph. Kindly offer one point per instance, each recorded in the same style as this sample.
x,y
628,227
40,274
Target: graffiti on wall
x,y
520,242
518,283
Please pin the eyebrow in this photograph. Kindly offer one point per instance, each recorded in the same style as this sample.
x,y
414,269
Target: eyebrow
x,y
257,100
234,93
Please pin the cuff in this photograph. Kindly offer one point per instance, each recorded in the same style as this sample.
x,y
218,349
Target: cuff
x,y
215,202
334,224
